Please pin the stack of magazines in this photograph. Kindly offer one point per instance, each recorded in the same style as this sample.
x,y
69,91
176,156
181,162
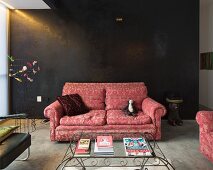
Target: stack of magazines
x,y
83,148
104,145
136,147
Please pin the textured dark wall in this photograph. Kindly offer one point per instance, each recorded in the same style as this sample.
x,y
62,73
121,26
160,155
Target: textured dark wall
x,y
157,43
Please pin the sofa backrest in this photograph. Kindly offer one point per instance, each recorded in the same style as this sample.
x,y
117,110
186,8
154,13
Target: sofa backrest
x,y
118,95
93,94
114,96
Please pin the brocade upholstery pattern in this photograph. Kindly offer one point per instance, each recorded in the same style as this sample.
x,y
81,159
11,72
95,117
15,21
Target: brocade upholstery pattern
x,y
94,96
117,98
114,115
63,133
92,118
205,121
69,87
54,112
155,110
114,128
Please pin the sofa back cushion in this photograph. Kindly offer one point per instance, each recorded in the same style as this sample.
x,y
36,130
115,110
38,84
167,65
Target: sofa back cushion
x,y
96,95
92,95
117,98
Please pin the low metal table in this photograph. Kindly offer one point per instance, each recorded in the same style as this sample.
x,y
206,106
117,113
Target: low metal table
x,y
119,159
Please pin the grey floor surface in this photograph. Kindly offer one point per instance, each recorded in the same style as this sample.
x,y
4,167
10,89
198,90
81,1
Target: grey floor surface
x,y
179,144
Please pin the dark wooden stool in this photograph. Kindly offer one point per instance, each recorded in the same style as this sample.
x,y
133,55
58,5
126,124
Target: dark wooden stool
x,y
173,111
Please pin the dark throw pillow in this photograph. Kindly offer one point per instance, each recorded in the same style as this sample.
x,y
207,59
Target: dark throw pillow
x,y
72,104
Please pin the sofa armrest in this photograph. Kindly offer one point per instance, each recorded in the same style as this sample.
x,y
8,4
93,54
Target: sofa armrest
x,y
205,120
153,108
54,112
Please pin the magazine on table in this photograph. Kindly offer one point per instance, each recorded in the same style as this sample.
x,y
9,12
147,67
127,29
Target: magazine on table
x,y
86,148
104,141
103,151
83,144
137,147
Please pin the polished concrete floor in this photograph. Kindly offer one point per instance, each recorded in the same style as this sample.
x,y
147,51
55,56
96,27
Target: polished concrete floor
x,y
179,144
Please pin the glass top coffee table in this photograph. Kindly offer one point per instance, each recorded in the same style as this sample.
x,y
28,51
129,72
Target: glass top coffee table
x,y
119,159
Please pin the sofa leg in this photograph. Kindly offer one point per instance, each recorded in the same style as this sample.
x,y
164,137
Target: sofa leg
x,y
26,158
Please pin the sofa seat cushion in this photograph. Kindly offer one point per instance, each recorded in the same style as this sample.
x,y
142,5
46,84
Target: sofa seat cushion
x,y
92,118
118,117
117,98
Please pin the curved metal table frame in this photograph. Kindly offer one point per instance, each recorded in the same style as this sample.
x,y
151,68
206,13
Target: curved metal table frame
x,y
157,158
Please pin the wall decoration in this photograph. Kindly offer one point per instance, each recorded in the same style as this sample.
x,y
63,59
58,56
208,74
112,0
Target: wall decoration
x,y
22,72
206,61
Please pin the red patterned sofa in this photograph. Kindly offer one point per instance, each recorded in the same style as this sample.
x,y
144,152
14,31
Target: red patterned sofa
x,y
205,121
106,100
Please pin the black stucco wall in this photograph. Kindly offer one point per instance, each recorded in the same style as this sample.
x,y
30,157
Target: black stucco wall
x,y
157,43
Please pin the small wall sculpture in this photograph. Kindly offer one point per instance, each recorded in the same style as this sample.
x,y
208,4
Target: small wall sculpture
x,y
22,72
